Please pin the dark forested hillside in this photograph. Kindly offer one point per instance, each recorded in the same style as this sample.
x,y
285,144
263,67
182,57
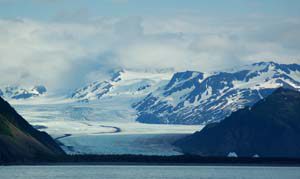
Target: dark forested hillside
x,y
270,128
19,141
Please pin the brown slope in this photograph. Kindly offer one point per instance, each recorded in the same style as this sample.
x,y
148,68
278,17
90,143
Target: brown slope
x,y
19,141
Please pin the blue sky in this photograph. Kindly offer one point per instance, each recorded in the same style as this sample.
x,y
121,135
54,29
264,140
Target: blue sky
x,y
78,41
52,9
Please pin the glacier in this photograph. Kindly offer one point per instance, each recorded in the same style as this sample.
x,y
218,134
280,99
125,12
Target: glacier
x,y
142,112
86,121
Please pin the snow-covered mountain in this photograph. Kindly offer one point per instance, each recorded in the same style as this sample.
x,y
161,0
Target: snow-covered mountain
x,y
198,98
18,92
158,96
133,83
189,97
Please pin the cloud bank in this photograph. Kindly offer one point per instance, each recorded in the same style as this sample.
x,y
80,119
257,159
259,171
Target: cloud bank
x,y
64,55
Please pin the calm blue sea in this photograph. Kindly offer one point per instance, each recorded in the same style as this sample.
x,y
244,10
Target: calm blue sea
x,y
147,172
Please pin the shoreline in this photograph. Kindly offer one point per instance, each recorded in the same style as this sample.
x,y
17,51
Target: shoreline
x,y
150,164
142,160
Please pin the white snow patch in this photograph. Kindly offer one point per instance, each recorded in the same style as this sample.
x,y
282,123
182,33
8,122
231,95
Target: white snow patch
x,y
232,154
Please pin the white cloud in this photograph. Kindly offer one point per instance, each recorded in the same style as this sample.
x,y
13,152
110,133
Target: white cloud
x,y
66,54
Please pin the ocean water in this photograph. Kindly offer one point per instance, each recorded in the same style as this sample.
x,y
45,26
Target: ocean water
x,y
148,172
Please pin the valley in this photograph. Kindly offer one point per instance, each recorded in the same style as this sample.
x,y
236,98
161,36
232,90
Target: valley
x,y
98,128
144,112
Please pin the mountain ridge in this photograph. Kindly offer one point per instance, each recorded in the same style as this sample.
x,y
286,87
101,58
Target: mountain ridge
x,y
270,128
18,92
122,82
205,99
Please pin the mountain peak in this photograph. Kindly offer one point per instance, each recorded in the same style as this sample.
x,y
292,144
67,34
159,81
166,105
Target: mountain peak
x,y
265,63
19,92
191,98
131,82
116,76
